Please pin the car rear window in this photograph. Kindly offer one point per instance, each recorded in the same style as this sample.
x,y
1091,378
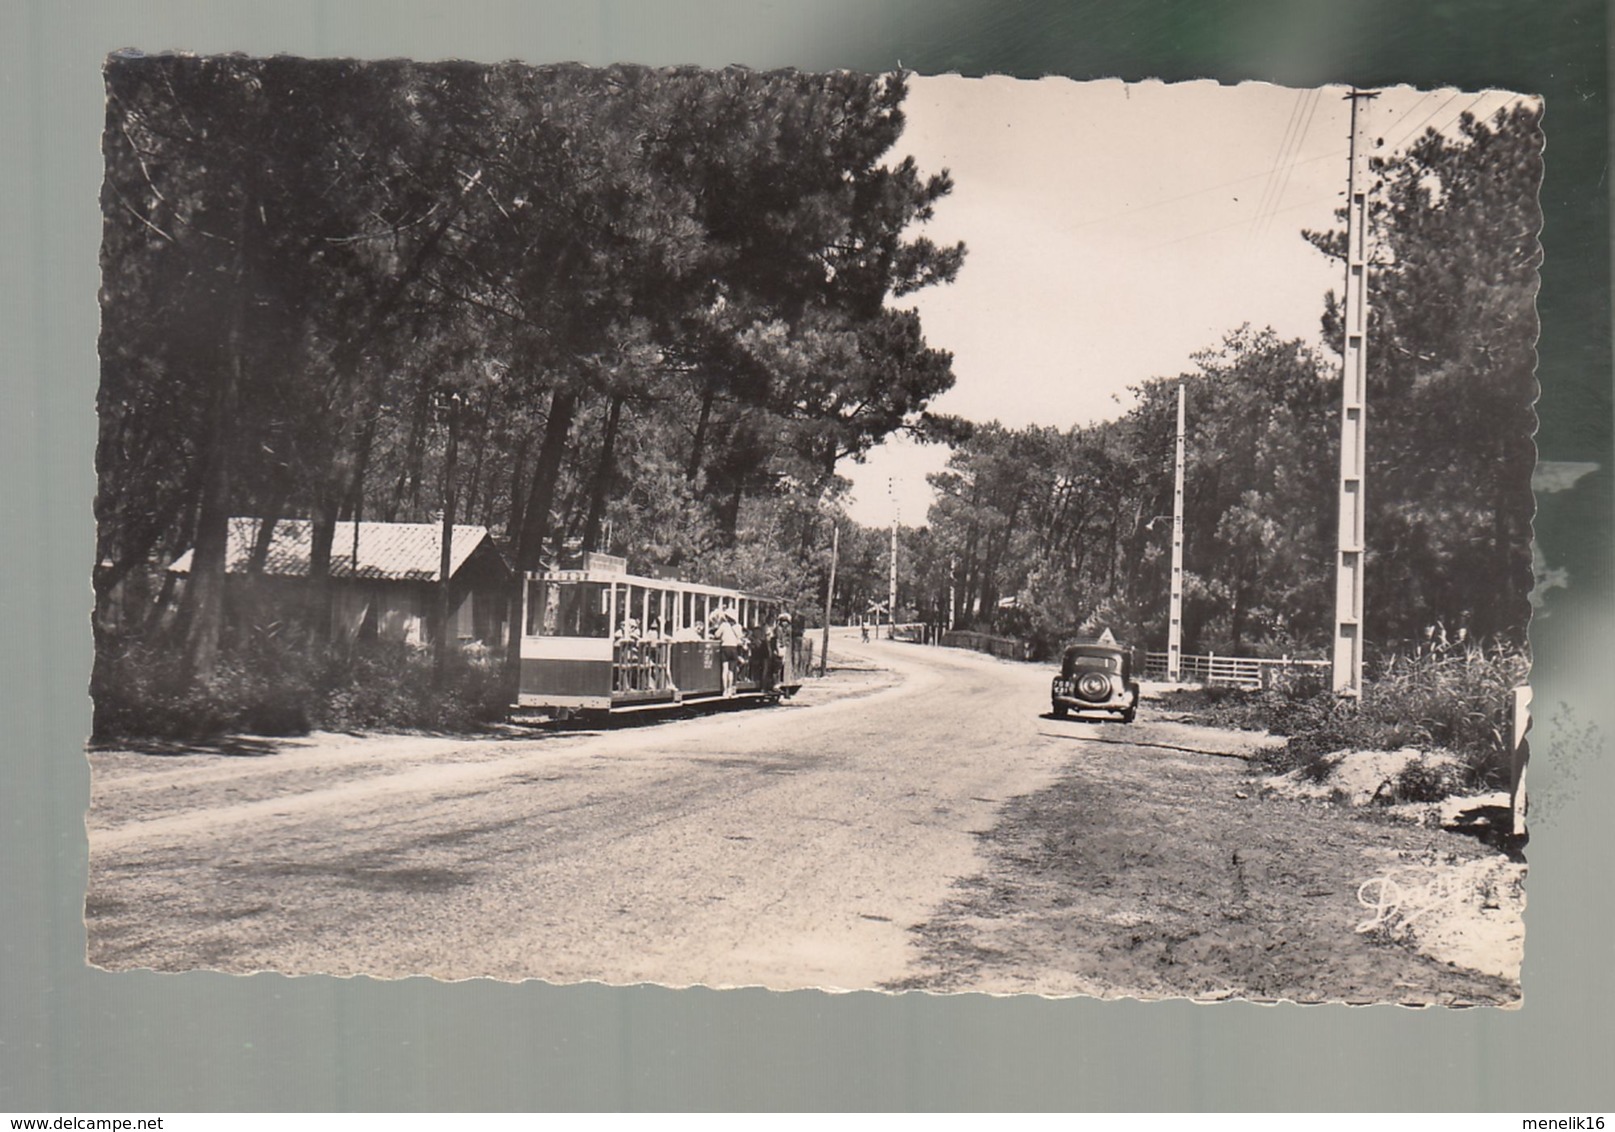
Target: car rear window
x,y
1108,661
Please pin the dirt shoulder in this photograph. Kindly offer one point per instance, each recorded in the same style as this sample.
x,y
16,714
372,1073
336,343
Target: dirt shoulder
x,y
1158,872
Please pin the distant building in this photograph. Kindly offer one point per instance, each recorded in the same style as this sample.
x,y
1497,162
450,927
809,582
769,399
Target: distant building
x,y
384,583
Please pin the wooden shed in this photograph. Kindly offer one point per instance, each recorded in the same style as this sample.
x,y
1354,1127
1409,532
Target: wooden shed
x,y
384,578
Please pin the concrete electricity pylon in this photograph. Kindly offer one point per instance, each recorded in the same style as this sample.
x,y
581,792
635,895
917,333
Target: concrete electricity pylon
x,y
1347,664
952,596
1174,628
830,593
891,606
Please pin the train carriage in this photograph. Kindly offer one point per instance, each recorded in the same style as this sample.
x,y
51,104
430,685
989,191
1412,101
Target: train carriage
x,y
599,639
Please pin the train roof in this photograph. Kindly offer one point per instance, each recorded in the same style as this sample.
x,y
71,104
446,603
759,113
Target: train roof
x,y
621,576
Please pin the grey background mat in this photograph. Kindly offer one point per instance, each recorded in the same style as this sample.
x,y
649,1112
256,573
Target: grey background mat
x,y
74,1039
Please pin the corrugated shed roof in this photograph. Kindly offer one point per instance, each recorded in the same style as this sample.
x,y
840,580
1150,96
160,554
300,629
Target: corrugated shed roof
x,y
386,551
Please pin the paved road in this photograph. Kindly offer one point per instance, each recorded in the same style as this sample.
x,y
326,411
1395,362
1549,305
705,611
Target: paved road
x,y
934,831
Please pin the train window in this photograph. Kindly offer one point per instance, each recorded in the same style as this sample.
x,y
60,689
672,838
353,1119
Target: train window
x,y
538,594
566,609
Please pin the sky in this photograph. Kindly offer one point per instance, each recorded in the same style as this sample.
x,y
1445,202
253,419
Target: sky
x,y
1113,231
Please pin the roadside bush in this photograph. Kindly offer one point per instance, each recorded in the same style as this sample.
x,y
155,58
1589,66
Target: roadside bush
x,y
143,689
1280,710
274,684
1457,703
392,684
1425,781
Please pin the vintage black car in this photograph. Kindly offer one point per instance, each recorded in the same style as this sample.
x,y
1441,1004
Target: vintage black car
x,y
1095,677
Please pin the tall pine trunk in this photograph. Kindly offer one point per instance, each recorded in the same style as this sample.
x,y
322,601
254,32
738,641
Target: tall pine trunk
x,y
534,527
445,588
698,445
204,614
322,539
604,471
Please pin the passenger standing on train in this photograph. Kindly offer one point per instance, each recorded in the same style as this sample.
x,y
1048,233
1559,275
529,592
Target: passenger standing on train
x,y
729,638
780,646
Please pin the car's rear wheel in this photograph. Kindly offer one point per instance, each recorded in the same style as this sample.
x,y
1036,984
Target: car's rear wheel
x,y
1057,710
1129,714
1093,686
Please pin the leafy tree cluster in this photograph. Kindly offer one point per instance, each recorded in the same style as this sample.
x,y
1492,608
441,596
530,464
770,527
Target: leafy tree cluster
x,y
1053,533
623,308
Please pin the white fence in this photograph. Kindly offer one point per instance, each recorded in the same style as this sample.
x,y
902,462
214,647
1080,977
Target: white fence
x,y
1242,671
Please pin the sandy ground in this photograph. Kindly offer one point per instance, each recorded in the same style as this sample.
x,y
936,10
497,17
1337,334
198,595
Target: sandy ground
x,y
912,822
1469,912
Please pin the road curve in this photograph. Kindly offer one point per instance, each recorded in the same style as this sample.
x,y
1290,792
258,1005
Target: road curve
x,y
789,847
937,832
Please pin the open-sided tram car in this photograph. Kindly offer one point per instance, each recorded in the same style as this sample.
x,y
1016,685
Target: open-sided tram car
x,y
587,647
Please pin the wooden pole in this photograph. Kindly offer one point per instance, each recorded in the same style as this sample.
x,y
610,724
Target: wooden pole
x,y
1519,715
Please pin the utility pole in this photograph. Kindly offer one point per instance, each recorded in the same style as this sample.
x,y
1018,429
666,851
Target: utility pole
x,y
952,565
1174,628
830,593
1347,665
891,606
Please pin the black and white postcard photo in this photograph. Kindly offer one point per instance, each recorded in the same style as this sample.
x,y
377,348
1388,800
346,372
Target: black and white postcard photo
x,y
866,532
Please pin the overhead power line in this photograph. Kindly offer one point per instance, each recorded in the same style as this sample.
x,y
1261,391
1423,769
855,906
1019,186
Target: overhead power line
x,y
1279,158
1196,192
1406,114
1237,223
1414,132
1461,113
1270,203
1284,186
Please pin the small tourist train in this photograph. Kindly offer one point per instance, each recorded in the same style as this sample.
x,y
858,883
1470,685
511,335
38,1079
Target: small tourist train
x,y
597,639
